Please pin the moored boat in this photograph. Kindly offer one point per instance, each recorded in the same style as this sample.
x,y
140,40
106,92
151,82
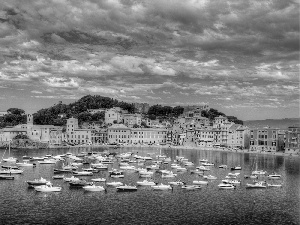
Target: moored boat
x,y
98,179
126,188
47,188
145,183
36,182
226,186
93,188
191,187
200,182
114,183
6,177
162,187
256,185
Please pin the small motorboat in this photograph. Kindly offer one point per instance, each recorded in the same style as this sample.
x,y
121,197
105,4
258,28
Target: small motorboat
x,y
6,177
146,175
47,188
69,179
188,164
58,177
153,167
236,168
126,188
202,168
36,182
93,188
223,166
274,185
197,171
168,175
93,170
82,173
233,182
207,164
47,161
98,180
117,174
100,166
26,157
25,163
191,187
259,172
203,160
80,183
145,183
233,174
69,167
175,166
256,185
210,177
11,171
114,183
76,164
202,182
162,187
10,159
226,186
253,177
274,176
181,169
10,167
127,167
176,183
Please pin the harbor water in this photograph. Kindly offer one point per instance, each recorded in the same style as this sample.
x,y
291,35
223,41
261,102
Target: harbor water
x,y
208,205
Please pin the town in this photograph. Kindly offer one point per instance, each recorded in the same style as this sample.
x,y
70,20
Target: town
x,y
121,128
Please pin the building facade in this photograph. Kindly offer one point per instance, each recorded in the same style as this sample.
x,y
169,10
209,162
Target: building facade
x,y
292,140
264,139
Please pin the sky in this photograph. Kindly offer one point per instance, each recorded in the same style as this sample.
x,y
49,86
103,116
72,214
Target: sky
x,y
240,57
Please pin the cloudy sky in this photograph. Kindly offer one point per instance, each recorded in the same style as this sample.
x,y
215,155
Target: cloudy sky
x,y
240,57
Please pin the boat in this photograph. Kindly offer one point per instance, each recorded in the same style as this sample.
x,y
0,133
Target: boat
x,y
93,188
26,157
62,170
25,163
47,188
253,177
274,176
207,164
145,183
98,179
69,167
37,158
82,173
114,183
197,171
168,175
153,167
99,166
233,182
176,183
203,168
48,161
223,166
117,174
188,164
256,185
274,185
93,170
6,177
191,187
79,183
58,177
10,167
143,172
236,168
162,187
76,164
202,182
11,171
233,174
226,186
203,160
146,175
259,172
181,169
210,177
175,166
127,167
68,179
126,188
35,182
10,159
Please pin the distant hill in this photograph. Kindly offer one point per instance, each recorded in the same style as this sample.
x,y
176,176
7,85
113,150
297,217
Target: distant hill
x,y
274,123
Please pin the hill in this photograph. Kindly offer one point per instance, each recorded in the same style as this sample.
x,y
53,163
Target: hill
x,y
274,123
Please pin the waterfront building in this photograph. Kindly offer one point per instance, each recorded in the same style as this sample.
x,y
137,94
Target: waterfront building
x,y
113,115
99,136
205,137
238,136
265,139
148,136
118,133
74,135
292,140
131,119
9,133
56,137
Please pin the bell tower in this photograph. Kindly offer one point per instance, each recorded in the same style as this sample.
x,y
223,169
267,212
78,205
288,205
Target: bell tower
x,y
29,120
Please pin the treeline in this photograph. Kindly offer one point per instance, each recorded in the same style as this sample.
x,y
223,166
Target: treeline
x,y
14,117
164,112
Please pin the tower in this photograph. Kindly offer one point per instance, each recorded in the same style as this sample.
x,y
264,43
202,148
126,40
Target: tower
x,y
29,120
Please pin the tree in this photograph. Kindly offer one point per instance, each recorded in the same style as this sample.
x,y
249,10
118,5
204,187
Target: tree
x,y
135,126
16,111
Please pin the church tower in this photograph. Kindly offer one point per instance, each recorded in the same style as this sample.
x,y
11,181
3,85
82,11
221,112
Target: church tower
x,y
29,120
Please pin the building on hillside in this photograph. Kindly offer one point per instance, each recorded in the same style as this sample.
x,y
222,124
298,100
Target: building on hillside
x,y
205,137
131,119
196,108
265,139
292,140
113,115
74,135
3,113
219,121
141,108
148,136
118,133
238,137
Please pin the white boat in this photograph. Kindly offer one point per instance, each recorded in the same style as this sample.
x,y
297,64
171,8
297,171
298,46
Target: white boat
x,y
146,172
146,175
58,177
76,164
253,176
168,175
174,165
145,183
210,177
25,163
126,188
274,176
200,182
93,170
274,185
207,164
82,173
167,159
226,186
181,169
233,174
191,187
203,160
236,168
256,185
123,164
197,171
153,167
69,179
114,183
162,187
161,156
203,168
259,172
176,183
127,167
11,171
188,164
35,182
223,166
47,161
69,167
93,188
10,158
234,182
98,179
47,188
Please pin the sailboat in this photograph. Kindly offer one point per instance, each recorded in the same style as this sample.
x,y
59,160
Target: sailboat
x,y
10,159
256,171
